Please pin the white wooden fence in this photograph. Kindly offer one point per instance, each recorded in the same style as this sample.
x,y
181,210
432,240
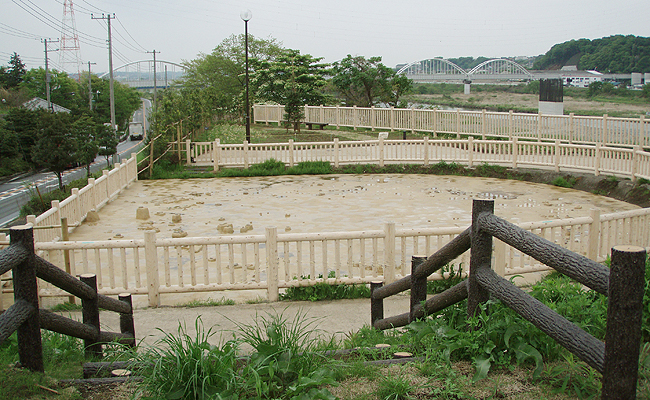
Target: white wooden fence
x,y
597,159
154,266
566,128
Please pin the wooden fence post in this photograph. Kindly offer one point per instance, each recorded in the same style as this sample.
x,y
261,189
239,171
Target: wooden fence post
x,y
480,257
127,325
418,286
336,152
376,305
515,152
90,315
246,154
483,124
66,253
381,151
594,235
556,148
426,150
470,151
215,153
30,348
272,263
188,152
623,334
151,157
373,116
291,150
151,260
597,160
389,252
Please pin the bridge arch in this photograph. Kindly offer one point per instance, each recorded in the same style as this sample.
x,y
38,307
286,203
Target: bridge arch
x,y
500,66
433,67
139,74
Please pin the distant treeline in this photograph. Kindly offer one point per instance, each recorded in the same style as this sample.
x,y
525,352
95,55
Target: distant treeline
x,y
613,54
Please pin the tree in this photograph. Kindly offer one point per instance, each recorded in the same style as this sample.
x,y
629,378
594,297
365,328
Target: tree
x,y
64,91
83,131
365,82
107,142
292,79
11,77
10,157
26,127
55,147
220,75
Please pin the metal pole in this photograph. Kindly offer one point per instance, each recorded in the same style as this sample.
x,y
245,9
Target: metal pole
x,y
246,112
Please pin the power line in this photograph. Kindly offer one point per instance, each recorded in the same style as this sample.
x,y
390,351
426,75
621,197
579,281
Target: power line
x,y
127,32
17,32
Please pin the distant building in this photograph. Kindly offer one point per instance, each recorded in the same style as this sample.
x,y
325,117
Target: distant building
x,y
580,78
39,104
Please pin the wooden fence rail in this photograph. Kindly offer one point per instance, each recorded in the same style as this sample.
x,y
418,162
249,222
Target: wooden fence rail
x,y
570,128
25,316
515,152
616,358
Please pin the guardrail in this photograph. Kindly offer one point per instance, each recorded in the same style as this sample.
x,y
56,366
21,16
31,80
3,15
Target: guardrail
x,y
597,159
566,128
617,358
25,316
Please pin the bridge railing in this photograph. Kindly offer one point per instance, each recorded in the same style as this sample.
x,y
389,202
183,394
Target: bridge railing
x,y
566,128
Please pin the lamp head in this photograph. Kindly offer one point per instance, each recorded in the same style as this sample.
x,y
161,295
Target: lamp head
x,y
246,15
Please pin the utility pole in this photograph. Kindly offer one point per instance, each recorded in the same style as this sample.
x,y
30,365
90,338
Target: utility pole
x,y
155,83
90,87
47,76
110,65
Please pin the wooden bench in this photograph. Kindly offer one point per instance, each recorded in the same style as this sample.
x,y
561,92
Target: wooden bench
x,y
310,125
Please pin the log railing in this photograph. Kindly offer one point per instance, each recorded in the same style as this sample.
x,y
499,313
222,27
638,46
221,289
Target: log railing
x,y
616,358
25,316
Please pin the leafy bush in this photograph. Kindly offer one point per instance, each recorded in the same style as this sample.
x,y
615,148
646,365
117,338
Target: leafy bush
x,y
326,291
568,182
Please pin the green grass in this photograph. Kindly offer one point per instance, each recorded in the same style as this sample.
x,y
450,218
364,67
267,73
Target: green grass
x,y
208,303
567,182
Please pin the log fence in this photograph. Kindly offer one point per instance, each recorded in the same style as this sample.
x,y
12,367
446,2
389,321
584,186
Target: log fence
x,y
25,317
616,358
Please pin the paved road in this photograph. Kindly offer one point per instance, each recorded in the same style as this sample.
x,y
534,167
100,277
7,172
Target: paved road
x,y
14,193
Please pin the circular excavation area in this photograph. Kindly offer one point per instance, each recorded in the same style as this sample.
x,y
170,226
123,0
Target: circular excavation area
x,y
327,203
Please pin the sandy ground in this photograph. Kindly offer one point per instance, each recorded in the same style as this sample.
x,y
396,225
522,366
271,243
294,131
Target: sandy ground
x,y
330,203
532,101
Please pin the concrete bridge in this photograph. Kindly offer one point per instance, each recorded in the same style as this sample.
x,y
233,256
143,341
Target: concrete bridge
x,y
140,74
497,70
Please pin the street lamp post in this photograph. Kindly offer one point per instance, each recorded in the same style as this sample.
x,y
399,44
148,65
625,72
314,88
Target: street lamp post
x,y
246,15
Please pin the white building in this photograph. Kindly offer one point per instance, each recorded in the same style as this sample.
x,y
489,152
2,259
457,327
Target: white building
x,y
581,78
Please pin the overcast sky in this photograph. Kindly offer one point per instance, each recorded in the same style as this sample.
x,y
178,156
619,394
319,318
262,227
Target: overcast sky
x,y
398,31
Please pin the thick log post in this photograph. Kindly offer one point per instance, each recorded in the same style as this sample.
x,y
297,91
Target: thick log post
x,y
480,257
126,319
30,348
418,286
623,335
90,313
376,305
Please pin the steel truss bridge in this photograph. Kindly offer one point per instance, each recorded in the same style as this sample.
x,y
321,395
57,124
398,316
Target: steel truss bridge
x,y
140,74
441,70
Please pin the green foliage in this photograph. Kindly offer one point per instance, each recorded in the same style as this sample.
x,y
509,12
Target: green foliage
x,y
567,182
450,277
326,291
613,54
55,147
106,142
365,82
11,77
209,303
39,202
292,79
84,132
394,387
67,306
574,377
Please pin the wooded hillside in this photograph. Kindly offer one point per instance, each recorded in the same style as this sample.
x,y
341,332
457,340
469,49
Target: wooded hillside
x,y
613,54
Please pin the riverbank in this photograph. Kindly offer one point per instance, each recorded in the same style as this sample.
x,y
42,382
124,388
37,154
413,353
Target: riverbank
x,y
523,102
